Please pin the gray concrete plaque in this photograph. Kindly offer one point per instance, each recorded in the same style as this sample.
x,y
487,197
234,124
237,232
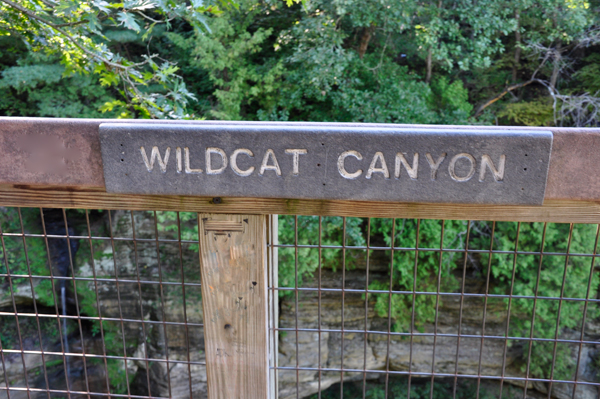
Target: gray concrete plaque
x,y
328,162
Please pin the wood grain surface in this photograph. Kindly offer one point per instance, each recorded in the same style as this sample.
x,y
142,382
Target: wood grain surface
x,y
552,211
234,299
569,211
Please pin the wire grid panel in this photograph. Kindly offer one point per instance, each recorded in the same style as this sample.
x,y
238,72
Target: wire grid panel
x,y
382,308
100,303
107,303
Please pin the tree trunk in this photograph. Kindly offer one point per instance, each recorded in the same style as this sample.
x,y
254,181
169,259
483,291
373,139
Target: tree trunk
x,y
556,69
517,58
429,66
364,40
430,51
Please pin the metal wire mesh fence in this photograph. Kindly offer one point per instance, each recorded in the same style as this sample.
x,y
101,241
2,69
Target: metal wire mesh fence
x,y
108,303
376,308
101,303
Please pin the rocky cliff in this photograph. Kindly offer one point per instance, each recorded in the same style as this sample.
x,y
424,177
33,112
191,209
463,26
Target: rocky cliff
x,y
173,345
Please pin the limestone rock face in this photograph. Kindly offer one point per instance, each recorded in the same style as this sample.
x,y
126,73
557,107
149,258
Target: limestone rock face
x,y
470,355
139,295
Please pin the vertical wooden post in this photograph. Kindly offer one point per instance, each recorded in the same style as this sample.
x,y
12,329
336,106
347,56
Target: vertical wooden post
x,y
234,295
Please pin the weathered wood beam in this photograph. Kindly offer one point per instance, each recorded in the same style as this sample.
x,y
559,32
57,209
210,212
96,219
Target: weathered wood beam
x,y
233,255
57,162
559,211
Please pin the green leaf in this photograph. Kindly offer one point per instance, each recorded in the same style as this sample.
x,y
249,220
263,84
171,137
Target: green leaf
x,y
66,7
109,78
128,20
139,5
101,5
148,31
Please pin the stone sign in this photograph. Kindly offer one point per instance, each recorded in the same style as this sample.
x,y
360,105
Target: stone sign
x,y
467,166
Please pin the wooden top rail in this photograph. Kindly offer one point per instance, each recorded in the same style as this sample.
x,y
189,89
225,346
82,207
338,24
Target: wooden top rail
x,y
51,162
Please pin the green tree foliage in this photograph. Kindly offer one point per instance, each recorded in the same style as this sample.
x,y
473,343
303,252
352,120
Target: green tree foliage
x,y
399,388
35,86
395,62
550,276
227,56
538,112
588,77
79,33
24,255
306,70
296,268
442,62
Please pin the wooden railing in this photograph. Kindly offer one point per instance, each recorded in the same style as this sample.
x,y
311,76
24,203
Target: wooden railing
x,y
57,163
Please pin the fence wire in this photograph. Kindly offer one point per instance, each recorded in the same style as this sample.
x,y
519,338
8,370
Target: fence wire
x,y
381,308
99,304
108,303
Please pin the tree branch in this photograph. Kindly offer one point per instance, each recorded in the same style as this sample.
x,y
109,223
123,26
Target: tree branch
x,y
152,19
365,39
30,13
499,96
58,28
509,89
83,21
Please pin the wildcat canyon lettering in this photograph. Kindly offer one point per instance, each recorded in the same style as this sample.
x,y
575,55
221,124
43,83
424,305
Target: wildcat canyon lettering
x,y
216,161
